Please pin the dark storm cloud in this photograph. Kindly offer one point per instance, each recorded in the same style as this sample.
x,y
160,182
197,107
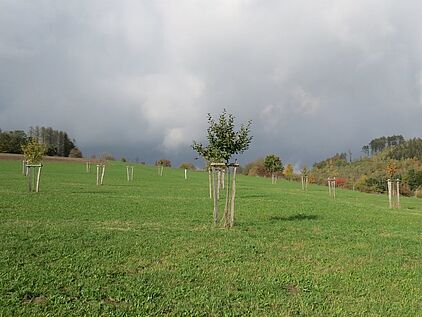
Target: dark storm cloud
x,y
137,77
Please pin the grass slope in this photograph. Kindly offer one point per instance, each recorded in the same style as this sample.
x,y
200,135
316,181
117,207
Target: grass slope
x,y
148,247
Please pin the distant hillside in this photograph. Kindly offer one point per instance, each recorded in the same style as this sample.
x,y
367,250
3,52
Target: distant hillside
x,y
369,173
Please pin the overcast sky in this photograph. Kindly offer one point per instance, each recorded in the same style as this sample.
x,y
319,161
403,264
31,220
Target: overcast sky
x,y
137,78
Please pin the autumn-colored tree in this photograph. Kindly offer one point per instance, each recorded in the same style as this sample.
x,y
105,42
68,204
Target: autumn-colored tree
x,y
288,171
391,168
163,162
33,151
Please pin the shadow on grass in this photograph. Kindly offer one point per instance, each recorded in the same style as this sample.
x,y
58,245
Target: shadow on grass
x,y
252,196
297,217
93,192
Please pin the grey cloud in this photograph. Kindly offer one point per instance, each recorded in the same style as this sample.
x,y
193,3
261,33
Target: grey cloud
x,y
137,77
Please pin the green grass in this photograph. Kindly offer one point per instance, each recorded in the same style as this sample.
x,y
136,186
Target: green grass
x,y
148,247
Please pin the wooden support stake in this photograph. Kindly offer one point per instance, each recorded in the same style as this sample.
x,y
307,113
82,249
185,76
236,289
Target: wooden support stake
x,y
29,175
98,174
398,193
227,205
218,183
24,169
186,173
334,187
329,187
233,196
390,204
37,187
210,182
102,174
127,173
215,196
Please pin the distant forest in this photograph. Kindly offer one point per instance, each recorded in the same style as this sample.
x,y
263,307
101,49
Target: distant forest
x,y
370,172
57,142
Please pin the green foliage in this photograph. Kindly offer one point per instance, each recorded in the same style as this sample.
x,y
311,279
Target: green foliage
x,y
223,140
80,250
409,149
12,141
304,171
123,159
377,145
273,163
33,151
414,179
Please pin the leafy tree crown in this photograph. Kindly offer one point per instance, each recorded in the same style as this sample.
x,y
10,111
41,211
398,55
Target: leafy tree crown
x,y
223,140
33,151
273,163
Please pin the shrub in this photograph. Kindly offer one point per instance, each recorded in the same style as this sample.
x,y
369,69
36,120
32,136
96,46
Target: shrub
x,y
188,166
340,181
163,162
123,159
75,152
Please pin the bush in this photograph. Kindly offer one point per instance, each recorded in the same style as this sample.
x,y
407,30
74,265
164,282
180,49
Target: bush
x,y
163,162
75,152
188,166
123,159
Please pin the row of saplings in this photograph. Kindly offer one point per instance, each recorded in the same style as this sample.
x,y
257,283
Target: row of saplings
x,y
223,143
31,166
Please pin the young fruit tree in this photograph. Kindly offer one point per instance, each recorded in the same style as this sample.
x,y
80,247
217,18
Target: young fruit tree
x,y
33,152
273,164
305,177
393,187
223,143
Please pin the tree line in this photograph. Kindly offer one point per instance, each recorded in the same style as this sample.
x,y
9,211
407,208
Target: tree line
x,y
378,145
56,142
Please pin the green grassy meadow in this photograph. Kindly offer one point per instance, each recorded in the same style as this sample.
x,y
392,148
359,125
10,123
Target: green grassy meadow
x,y
148,247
